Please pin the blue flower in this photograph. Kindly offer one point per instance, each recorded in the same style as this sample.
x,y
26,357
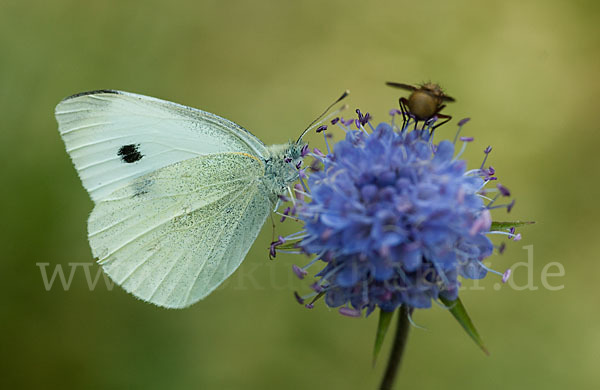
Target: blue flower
x,y
394,217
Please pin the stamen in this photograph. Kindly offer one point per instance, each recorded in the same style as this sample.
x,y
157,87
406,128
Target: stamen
x,y
299,193
503,190
461,123
473,172
298,298
484,197
294,236
285,214
393,115
492,270
347,122
365,119
433,146
483,185
515,237
510,206
487,152
300,273
311,304
293,199
328,275
506,275
274,245
360,115
349,312
489,205
317,152
305,150
317,258
302,176
464,146
277,205
501,248
327,144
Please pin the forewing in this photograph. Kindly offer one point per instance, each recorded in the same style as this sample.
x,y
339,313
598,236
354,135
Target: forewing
x,y
172,236
114,137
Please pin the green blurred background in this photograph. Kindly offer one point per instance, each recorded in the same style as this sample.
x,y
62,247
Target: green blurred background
x,y
525,71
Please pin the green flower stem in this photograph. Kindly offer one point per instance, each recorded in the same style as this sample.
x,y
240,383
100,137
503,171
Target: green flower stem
x,y
395,359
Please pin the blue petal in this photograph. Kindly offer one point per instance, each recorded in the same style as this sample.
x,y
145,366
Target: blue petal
x,y
348,276
382,268
412,260
473,270
445,152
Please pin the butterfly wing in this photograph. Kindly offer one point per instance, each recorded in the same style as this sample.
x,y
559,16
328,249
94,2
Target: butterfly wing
x,y
172,236
114,137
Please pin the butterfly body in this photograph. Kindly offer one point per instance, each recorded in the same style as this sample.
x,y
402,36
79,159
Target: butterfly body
x,y
180,194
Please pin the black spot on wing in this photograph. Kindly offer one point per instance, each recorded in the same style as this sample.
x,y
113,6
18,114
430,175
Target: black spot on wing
x,y
130,153
96,92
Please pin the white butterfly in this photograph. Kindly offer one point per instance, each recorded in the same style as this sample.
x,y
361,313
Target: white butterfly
x,y
180,194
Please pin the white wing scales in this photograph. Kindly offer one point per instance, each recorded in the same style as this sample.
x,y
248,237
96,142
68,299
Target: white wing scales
x,y
172,236
114,137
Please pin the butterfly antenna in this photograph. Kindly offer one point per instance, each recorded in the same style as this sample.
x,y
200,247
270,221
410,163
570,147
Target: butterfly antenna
x,y
312,124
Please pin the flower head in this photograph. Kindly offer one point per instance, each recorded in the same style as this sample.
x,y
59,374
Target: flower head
x,y
395,218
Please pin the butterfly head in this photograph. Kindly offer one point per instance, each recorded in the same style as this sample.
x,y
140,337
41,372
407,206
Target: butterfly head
x,y
283,166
